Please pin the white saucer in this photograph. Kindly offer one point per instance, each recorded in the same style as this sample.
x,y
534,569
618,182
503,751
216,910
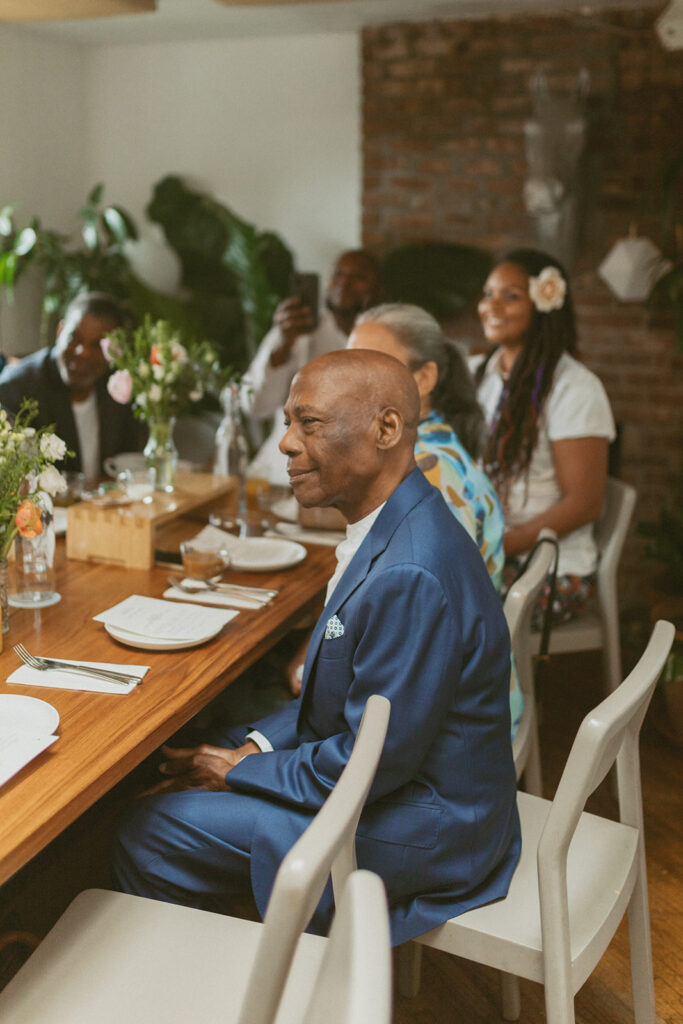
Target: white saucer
x,y
152,643
265,554
27,714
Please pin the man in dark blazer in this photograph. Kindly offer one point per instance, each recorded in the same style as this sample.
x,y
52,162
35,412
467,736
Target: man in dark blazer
x,y
410,613
69,382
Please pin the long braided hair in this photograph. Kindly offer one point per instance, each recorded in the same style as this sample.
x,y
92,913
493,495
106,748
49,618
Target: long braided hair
x,y
454,396
514,431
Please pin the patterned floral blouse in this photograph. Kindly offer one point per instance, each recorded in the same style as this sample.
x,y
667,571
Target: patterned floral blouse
x,y
468,491
471,498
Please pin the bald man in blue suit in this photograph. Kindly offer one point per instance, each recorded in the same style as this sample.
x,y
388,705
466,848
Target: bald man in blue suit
x,y
411,614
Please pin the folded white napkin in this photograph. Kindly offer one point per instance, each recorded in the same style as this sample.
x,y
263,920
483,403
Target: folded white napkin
x,y
26,676
152,618
330,538
213,597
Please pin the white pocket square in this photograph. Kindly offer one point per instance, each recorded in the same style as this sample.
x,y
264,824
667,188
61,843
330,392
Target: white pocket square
x,y
334,628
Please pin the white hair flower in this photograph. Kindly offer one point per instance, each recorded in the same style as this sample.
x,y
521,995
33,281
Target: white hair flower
x,y
547,291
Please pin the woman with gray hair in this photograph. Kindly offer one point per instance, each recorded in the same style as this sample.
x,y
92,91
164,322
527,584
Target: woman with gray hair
x,y
451,427
450,431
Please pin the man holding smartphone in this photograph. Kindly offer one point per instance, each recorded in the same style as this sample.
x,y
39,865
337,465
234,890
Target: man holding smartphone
x,y
299,334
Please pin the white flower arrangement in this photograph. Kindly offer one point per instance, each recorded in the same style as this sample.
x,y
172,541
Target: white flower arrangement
x,y
548,290
26,467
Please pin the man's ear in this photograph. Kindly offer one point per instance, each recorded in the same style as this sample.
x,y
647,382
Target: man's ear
x,y
390,428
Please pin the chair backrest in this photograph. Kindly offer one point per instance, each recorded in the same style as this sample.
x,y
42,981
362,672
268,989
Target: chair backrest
x,y
354,981
518,608
611,528
607,734
327,845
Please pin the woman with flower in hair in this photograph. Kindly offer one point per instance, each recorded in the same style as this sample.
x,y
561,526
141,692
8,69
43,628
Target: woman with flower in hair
x,y
549,420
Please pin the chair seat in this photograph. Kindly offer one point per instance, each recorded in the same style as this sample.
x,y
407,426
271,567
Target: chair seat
x,y
113,958
507,934
584,633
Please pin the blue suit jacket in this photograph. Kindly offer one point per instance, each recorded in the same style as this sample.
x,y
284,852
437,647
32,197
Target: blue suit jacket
x,y
423,626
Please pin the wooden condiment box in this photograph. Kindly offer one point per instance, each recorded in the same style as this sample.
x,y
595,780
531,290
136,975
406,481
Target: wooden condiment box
x,y
128,535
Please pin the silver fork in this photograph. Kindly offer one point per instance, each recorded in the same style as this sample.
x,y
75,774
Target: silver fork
x,y
42,664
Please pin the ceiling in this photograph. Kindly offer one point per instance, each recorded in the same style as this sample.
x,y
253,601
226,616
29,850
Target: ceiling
x,y
183,20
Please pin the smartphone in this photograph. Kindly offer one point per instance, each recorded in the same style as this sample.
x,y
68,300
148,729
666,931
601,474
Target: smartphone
x,y
307,288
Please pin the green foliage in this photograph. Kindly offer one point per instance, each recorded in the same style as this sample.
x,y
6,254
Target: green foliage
x,y
441,277
666,537
668,290
236,273
233,275
96,264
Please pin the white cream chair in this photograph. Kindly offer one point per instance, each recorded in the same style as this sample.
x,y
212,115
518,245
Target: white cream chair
x,y
519,606
598,627
578,873
115,958
353,985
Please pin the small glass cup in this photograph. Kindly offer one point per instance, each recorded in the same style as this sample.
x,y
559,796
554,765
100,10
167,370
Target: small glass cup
x,y
138,484
75,486
200,563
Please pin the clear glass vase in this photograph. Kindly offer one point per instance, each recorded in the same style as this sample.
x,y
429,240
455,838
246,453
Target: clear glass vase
x,y
232,451
161,452
34,584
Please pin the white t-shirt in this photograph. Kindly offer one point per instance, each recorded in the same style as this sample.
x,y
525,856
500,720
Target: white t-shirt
x,y
576,406
88,430
266,387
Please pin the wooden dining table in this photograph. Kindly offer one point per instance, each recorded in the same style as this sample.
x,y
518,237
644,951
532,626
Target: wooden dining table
x,y
102,737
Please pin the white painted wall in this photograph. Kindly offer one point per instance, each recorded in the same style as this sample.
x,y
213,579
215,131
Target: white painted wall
x,y
271,127
42,153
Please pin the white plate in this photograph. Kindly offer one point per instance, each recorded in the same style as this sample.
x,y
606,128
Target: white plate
x,y
286,508
155,643
265,554
27,714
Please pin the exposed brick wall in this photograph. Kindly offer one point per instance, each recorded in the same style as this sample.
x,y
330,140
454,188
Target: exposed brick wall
x,y
444,105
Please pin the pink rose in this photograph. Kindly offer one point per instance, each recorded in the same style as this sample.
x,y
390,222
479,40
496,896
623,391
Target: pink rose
x,y
107,346
120,386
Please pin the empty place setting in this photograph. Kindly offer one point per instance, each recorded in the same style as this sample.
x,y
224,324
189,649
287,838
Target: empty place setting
x,y
154,624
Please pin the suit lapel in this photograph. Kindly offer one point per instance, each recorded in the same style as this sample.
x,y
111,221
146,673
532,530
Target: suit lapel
x,y
412,490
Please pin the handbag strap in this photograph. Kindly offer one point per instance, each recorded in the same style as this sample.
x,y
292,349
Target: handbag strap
x,y
543,655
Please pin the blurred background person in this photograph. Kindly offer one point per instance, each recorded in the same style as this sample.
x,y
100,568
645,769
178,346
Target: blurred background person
x,y
549,420
69,382
298,335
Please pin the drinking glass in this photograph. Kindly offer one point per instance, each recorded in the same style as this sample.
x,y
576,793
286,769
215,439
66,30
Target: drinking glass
x,y
139,483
